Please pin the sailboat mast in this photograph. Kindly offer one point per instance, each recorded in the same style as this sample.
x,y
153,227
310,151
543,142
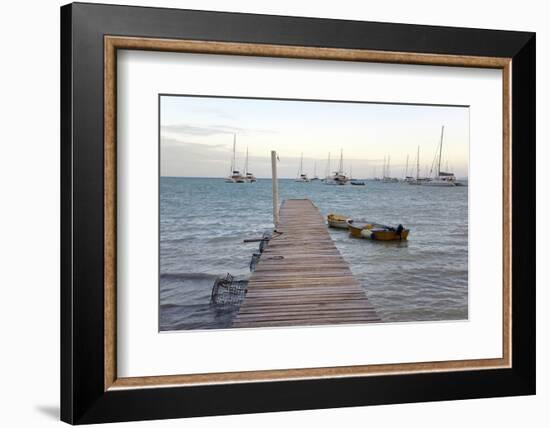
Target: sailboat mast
x,y
384,168
407,167
314,169
388,166
231,162
341,165
440,150
301,163
246,161
418,162
233,165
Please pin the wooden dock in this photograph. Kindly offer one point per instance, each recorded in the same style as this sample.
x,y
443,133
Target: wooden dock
x,y
301,278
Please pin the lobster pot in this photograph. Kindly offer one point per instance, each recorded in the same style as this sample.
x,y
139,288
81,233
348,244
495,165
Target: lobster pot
x,y
228,291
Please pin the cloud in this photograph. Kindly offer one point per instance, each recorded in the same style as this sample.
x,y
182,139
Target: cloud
x,y
183,158
204,131
209,130
168,141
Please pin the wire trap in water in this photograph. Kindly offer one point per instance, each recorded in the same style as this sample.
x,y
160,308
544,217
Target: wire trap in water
x,y
228,291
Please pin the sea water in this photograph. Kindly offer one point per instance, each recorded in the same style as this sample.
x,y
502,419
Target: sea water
x,y
203,222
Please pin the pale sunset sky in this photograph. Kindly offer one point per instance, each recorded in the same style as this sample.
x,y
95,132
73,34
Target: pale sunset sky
x,y
197,136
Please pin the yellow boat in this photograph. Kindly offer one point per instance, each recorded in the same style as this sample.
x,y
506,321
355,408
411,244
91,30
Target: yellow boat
x,y
376,231
337,221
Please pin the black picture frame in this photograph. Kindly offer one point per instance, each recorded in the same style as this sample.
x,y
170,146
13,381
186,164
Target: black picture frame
x,y
83,398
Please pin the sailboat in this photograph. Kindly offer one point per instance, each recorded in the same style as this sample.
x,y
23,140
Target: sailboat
x,y
302,177
315,178
407,178
383,170
338,178
442,179
417,180
386,178
327,169
235,175
249,177
376,178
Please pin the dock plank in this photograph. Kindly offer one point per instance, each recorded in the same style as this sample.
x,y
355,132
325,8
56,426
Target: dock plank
x,y
301,278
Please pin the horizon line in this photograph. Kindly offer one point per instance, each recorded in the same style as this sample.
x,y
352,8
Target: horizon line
x,y
278,178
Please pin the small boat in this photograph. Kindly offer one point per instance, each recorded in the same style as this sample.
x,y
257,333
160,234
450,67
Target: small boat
x,y
302,177
353,181
376,231
337,221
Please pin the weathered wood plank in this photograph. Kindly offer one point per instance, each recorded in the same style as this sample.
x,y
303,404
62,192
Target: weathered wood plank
x,y
302,279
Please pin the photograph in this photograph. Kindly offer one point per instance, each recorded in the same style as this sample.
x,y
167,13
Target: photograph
x,y
293,212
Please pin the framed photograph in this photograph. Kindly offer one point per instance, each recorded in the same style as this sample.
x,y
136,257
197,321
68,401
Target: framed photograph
x,y
265,213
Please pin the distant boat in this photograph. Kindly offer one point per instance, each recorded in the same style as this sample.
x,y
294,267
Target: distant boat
x,y
386,177
338,178
442,179
337,221
302,177
408,178
315,178
327,169
377,232
417,180
354,182
235,175
248,176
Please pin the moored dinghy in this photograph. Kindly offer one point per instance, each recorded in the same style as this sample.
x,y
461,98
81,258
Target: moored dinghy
x,y
376,231
337,221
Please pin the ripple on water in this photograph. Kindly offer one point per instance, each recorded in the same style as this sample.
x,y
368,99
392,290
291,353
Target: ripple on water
x,y
204,221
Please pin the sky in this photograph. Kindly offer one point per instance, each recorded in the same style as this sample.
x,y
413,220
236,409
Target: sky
x,y
196,136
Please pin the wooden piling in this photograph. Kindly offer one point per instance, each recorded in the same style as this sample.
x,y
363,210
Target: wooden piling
x,y
275,188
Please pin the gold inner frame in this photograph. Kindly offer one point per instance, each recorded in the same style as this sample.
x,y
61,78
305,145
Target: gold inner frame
x,y
113,43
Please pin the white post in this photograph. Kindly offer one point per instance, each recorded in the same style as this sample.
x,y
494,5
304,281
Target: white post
x,y
275,186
